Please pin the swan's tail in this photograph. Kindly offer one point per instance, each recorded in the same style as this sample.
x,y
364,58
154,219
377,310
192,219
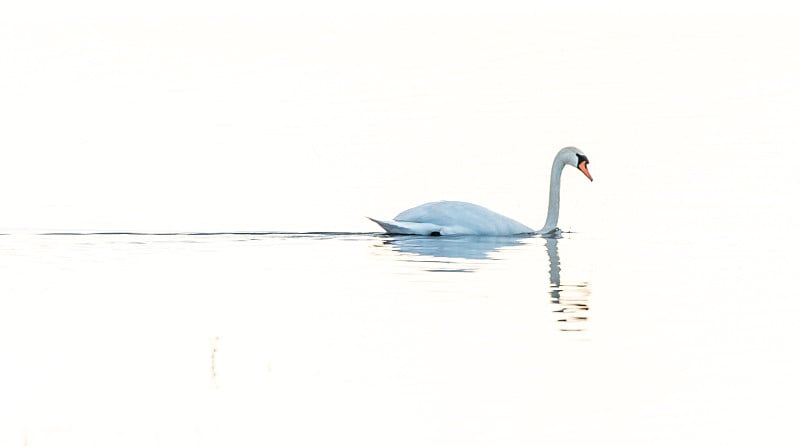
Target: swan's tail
x,y
408,227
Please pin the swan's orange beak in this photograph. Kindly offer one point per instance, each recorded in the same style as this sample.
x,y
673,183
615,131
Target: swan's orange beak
x,y
583,168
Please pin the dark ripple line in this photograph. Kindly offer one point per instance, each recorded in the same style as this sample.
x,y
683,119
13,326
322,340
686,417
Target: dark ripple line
x,y
251,233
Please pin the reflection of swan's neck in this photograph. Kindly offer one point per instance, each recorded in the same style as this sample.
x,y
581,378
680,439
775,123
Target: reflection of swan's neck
x,y
555,195
555,266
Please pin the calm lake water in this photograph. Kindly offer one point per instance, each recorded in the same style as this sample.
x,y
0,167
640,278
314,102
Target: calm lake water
x,y
364,339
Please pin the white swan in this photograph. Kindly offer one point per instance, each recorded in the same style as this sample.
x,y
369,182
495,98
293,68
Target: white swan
x,y
460,218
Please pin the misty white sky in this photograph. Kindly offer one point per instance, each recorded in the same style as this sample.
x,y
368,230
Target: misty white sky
x,y
203,116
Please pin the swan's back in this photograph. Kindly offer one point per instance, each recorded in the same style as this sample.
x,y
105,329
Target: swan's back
x,y
458,217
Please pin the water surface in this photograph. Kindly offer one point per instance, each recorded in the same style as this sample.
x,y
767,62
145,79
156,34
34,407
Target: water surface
x,y
363,338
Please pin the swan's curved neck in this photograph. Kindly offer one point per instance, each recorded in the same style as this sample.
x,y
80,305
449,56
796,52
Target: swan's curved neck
x,y
555,196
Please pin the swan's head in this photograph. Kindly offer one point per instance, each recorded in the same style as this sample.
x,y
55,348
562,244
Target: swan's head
x,y
576,159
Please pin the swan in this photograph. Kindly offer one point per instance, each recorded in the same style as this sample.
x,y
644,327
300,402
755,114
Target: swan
x,y
461,218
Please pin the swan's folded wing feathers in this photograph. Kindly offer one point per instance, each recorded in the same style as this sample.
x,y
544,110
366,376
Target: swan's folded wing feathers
x,y
458,217
408,228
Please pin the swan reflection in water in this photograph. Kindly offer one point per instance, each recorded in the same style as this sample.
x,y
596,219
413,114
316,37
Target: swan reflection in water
x,y
452,254
469,247
571,300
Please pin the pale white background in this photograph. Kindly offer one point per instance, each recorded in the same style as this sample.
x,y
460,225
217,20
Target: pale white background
x,y
188,116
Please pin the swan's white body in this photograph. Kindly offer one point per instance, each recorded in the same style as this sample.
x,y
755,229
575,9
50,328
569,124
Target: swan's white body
x,y
452,218
460,218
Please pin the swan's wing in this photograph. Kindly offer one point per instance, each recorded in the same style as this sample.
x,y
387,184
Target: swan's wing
x,y
458,217
408,228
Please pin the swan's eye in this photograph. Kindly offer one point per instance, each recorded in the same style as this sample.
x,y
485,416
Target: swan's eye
x,y
582,158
